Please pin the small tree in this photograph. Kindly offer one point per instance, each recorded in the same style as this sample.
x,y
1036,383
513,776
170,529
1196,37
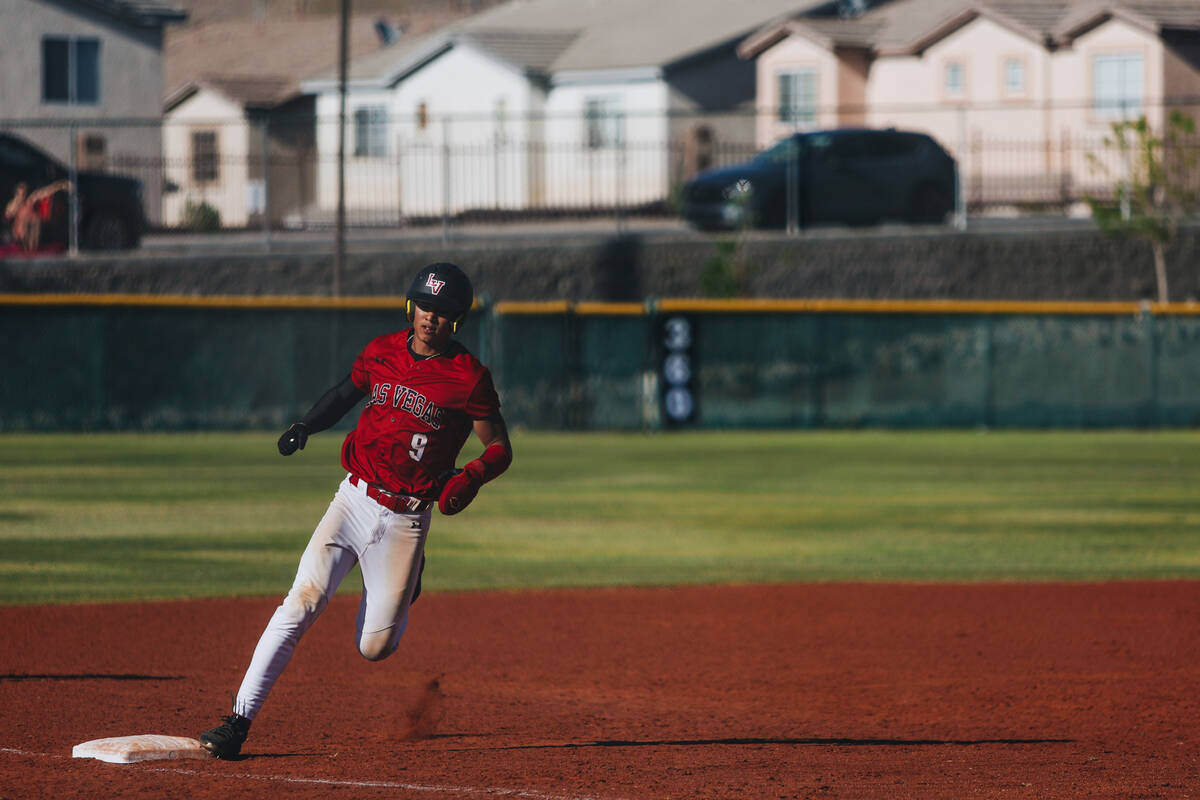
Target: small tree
x,y
727,273
1153,191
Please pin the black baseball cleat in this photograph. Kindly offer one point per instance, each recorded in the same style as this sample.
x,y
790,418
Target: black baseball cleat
x,y
225,740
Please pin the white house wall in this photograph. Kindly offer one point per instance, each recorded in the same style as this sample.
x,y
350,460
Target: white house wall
x,y
231,192
463,93
462,153
467,156
630,172
372,184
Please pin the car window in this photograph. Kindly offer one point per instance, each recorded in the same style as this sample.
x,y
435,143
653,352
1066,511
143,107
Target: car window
x,y
896,145
16,156
782,151
819,145
845,146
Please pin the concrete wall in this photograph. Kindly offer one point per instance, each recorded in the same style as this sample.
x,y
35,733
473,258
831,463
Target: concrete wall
x,y
1075,266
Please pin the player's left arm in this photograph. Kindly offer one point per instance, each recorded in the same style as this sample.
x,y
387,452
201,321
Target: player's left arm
x,y
497,455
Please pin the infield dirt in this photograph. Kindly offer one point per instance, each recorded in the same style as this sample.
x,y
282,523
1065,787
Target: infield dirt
x,y
788,691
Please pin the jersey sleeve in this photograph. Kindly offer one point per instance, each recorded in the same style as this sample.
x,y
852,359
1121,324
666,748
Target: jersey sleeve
x,y
359,374
483,402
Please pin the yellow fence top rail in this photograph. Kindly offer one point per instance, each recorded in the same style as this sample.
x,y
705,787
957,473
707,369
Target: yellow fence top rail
x,y
564,307
667,305
681,305
916,307
202,301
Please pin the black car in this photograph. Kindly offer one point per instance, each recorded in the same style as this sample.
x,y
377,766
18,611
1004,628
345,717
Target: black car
x,y
852,176
111,215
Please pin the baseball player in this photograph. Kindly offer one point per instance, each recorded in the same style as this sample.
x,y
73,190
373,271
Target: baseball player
x,y
425,395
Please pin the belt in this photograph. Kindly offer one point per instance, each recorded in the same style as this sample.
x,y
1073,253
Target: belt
x,y
400,503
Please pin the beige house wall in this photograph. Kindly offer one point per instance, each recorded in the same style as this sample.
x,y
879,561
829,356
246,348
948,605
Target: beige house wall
x,y
853,72
1092,167
1033,144
795,52
1074,76
1012,125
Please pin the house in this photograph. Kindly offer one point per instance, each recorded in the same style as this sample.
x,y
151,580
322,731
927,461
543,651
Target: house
x,y
217,137
1024,93
544,104
234,104
75,74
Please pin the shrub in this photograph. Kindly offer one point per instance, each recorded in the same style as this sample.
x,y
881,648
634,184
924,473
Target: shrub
x,y
201,217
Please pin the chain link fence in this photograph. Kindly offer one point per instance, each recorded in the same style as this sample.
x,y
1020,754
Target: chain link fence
x,y
280,171
184,364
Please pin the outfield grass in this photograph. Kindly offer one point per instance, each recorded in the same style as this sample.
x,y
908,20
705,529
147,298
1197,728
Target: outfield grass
x,y
102,517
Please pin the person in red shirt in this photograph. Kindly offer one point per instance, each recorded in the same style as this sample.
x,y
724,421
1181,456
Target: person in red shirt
x,y
426,394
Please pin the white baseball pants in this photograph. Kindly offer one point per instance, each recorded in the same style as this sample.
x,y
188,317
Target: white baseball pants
x,y
355,529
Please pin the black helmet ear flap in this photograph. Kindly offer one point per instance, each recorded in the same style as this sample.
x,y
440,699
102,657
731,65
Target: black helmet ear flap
x,y
408,309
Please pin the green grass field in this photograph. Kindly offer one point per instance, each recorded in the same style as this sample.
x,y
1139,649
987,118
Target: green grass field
x,y
107,517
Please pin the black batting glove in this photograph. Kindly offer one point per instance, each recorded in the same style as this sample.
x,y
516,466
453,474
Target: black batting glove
x,y
293,439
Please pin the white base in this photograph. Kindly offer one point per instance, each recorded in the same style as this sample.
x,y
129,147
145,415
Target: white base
x,y
144,747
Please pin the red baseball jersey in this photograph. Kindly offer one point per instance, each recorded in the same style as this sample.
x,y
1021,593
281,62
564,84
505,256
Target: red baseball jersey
x,y
418,416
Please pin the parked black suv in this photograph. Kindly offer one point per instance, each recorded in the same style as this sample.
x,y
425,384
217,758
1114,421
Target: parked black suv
x,y
111,216
853,176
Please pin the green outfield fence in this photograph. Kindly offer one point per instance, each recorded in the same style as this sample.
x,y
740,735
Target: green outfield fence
x,y
125,362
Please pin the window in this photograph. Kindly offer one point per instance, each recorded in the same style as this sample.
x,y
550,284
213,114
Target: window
x,y
1014,76
955,80
70,70
1117,89
370,131
93,152
605,122
205,158
798,97
16,156
891,144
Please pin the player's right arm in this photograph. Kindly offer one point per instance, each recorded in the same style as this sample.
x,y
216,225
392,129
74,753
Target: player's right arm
x,y
458,492
332,406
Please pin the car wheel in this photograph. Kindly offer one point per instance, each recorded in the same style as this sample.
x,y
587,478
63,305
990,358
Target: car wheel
x,y
929,204
106,231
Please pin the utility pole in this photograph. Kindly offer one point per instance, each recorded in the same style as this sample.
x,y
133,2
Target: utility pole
x,y
343,56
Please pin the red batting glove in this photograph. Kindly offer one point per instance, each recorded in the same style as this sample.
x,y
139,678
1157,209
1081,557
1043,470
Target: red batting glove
x,y
461,489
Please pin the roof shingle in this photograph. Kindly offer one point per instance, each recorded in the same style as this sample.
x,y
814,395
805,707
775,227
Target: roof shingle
x,y
142,11
902,26
232,55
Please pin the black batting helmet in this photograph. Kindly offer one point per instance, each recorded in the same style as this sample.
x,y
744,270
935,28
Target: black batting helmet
x,y
445,287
